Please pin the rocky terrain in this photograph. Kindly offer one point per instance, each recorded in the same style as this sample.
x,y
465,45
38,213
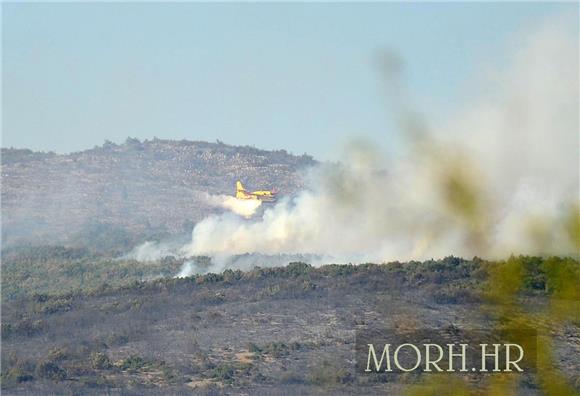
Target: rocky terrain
x,y
130,191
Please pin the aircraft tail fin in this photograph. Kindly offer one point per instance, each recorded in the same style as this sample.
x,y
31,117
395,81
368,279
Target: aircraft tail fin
x,y
239,186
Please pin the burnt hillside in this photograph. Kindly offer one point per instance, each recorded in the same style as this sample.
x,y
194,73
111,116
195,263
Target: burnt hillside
x,y
136,189
270,331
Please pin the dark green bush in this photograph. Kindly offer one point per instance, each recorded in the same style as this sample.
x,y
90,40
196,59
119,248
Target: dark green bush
x,y
133,362
6,330
254,348
15,375
296,269
28,327
50,370
224,372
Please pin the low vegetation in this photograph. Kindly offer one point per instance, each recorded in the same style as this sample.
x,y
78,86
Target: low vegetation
x,y
44,270
282,330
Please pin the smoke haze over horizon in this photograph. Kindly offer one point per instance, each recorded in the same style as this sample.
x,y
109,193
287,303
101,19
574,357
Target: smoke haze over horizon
x,y
510,185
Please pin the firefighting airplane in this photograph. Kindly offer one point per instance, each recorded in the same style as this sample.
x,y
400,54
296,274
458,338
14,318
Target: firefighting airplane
x,y
264,196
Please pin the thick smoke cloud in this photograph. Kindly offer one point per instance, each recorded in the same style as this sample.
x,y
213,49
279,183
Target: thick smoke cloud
x,y
153,251
499,177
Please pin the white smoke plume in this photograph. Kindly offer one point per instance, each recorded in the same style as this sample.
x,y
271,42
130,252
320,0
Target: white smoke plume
x,y
246,208
499,177
153,251
244,262
187,269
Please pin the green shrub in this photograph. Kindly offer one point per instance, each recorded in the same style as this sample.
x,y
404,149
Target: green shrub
x,y
57,354
338,269
100,361
6,330
54,305
15,375
276,349
224,372
133,362
50,370
231,276
296,269
327,375
210,278
254,348
307,285
29,327
169,375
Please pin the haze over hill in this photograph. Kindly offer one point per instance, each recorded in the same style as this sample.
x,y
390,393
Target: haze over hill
x,y
127,192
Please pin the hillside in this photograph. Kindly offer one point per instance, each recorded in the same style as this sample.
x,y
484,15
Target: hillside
x,y
269,331
119,194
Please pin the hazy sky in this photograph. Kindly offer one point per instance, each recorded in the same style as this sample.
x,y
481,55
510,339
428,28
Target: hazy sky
x,y
302,77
